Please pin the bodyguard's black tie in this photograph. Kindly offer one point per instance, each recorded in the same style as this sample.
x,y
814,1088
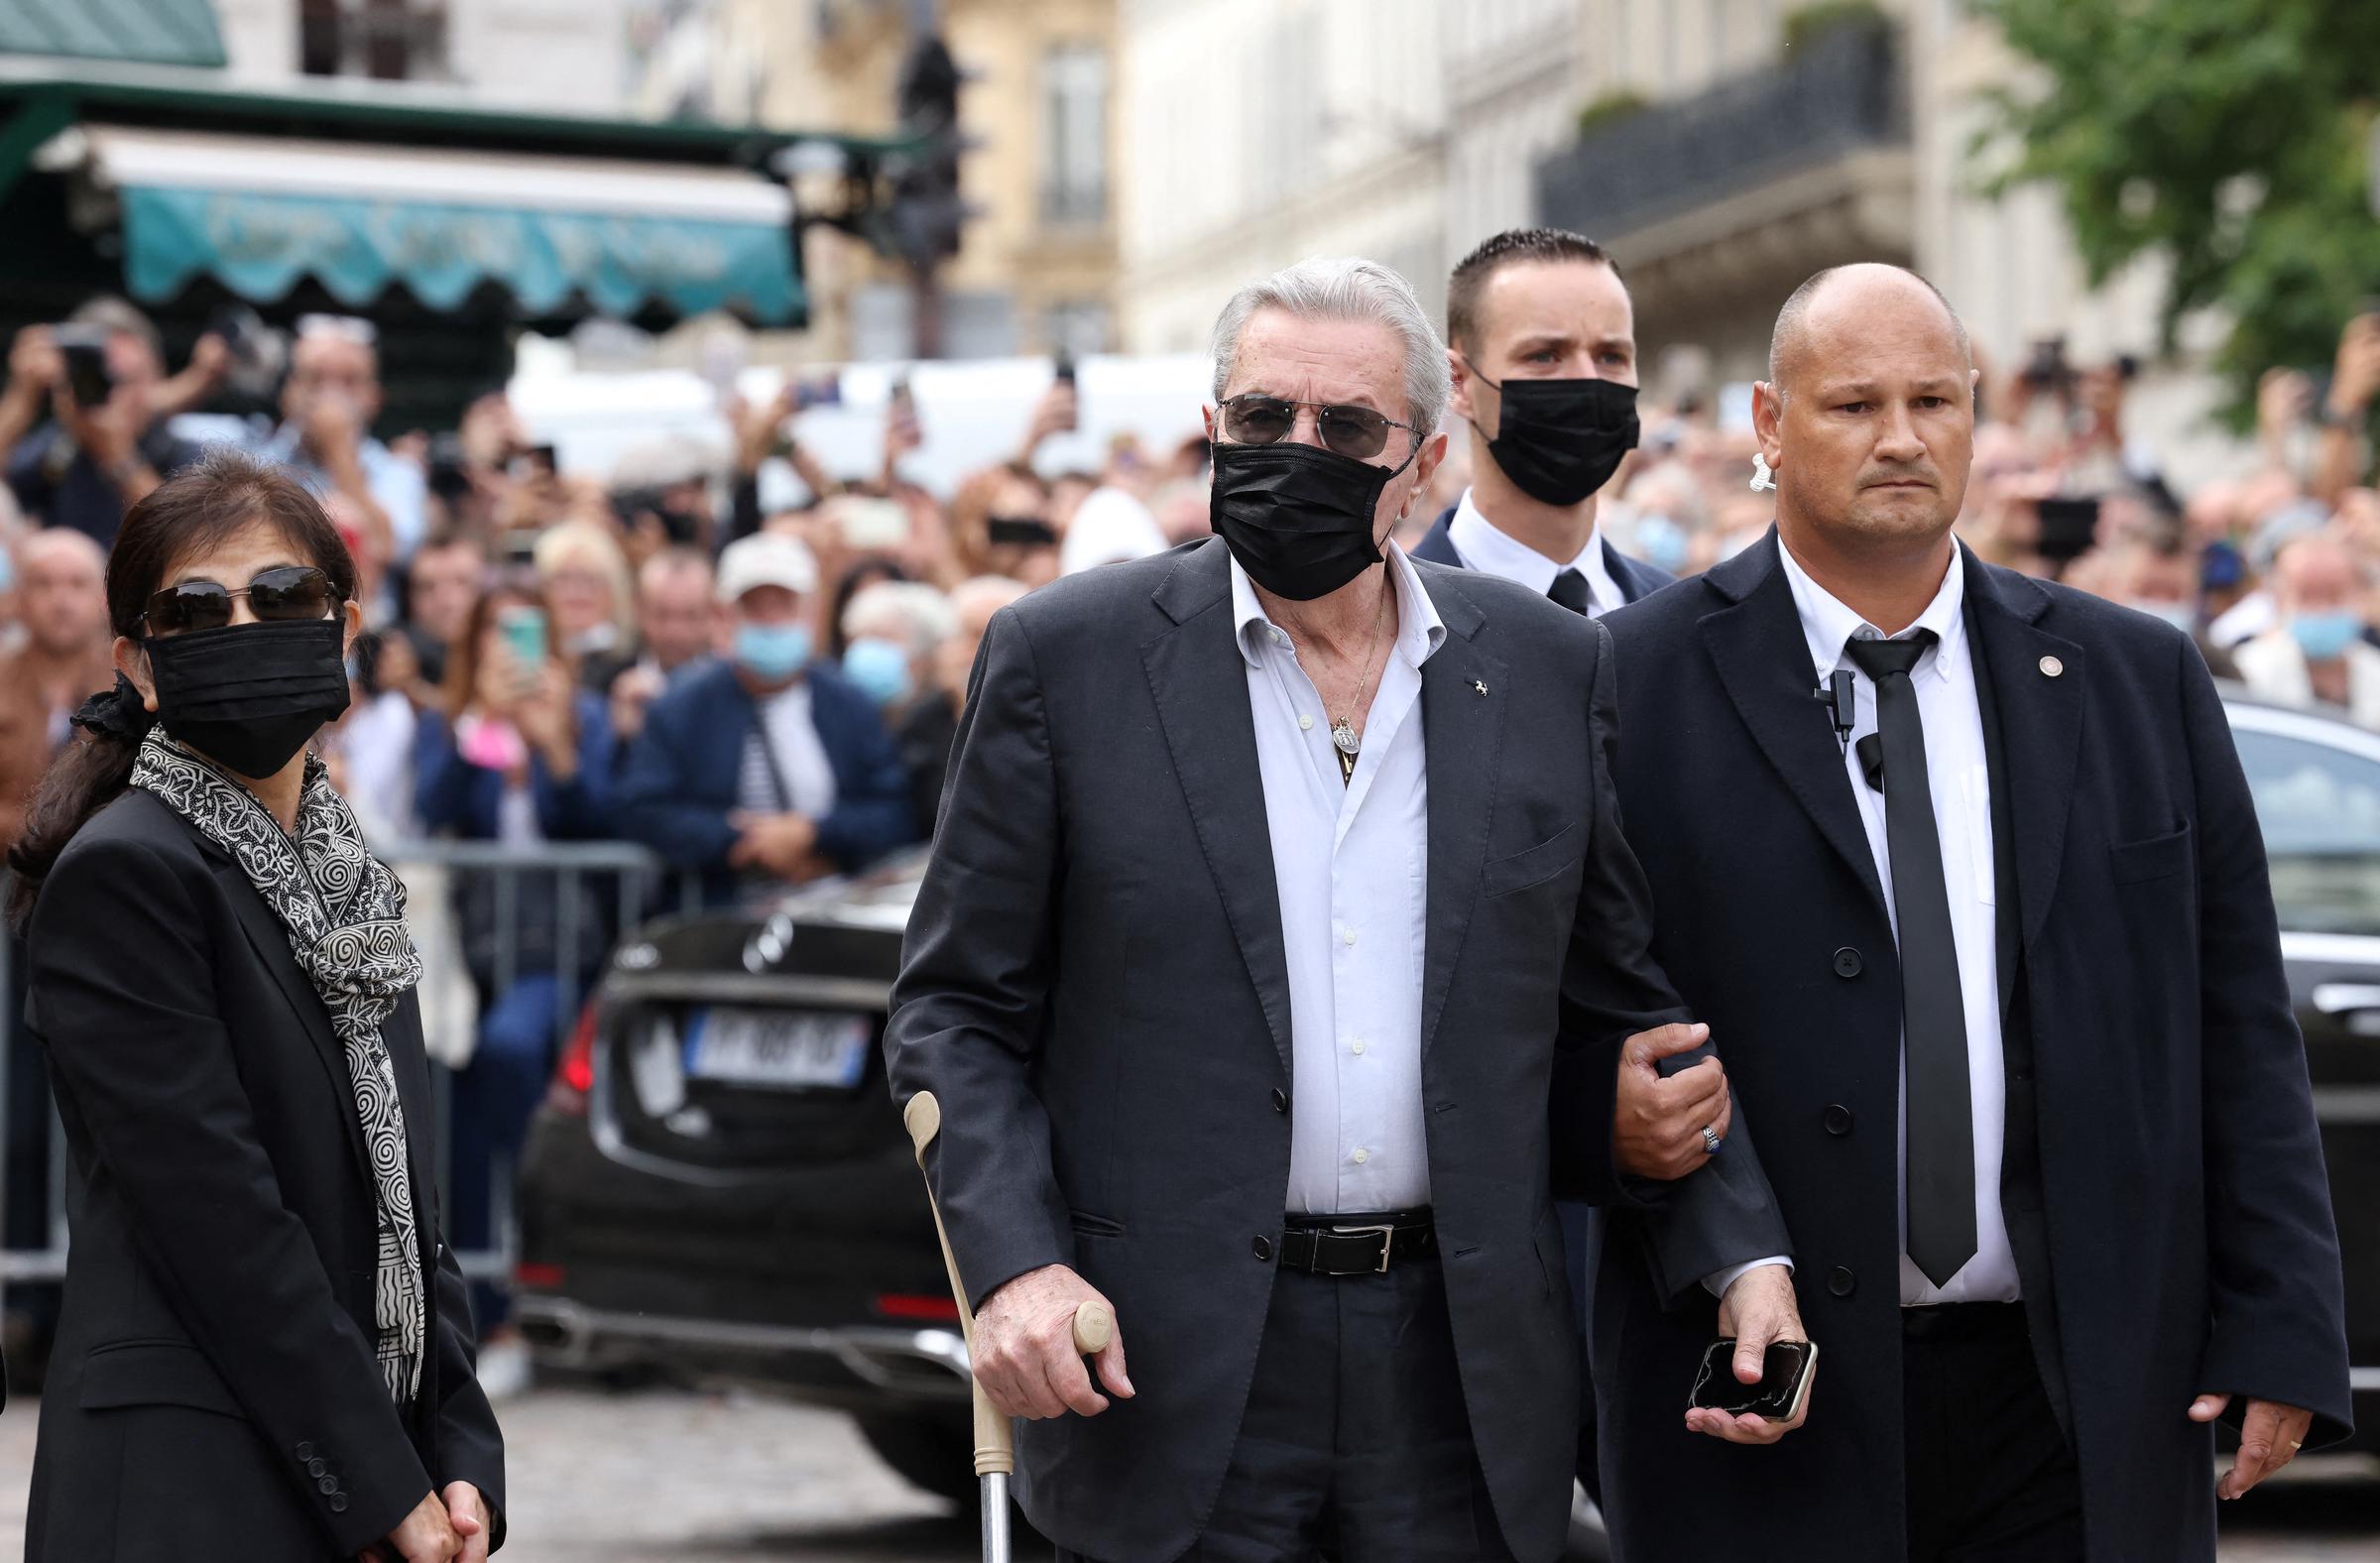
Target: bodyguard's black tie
x,y
1942,1126
1570,590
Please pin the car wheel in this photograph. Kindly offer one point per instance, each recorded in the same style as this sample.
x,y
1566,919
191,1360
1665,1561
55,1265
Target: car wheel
x,y
1589,1541
935,1454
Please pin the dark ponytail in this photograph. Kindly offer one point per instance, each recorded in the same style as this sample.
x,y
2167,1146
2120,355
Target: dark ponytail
x,y
194,513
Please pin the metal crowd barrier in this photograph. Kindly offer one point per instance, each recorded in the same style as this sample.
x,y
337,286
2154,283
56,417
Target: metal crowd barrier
x,y
630,883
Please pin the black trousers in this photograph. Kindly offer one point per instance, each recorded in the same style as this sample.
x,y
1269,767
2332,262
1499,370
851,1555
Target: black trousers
x,y
1990,1477
1356,1445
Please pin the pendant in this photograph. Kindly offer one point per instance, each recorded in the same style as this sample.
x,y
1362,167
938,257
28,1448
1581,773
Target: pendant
x,y
1342,733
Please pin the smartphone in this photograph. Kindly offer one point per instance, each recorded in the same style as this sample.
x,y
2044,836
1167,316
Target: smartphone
x,y
1779,1396
85,348
1021,530
450,473
2070,525
820,390
524,632
869,523
535,461
1062,370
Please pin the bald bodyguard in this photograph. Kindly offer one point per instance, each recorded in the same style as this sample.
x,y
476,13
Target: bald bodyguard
x,y
1984,928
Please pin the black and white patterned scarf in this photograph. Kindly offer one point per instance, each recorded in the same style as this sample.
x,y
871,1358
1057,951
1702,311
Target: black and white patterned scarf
x,y
345,916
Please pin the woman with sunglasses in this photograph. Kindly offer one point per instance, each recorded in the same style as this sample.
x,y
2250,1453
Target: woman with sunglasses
x,y
265,1352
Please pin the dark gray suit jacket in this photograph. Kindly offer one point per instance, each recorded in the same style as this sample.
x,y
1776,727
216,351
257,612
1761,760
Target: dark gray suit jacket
x,y
1095,990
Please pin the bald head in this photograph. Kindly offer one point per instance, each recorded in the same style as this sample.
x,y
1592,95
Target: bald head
x,y
63,597
1843,294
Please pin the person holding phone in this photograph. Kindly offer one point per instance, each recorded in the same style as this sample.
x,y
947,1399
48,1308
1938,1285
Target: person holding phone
x,y
329,404
1963,870
105,443
519,753
265,1349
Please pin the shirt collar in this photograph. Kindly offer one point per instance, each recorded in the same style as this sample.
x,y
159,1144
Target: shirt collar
x,y
1826,623
1488,549
1420,630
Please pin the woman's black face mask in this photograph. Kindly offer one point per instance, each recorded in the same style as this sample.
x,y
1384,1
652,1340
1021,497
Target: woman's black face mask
x,y
1560,441
1298,518
248,697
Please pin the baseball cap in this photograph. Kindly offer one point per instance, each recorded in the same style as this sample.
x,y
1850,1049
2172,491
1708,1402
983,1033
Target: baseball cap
x,y
765,558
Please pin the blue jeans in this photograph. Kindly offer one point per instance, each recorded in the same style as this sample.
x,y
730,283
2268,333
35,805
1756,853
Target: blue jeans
x,y
494,1098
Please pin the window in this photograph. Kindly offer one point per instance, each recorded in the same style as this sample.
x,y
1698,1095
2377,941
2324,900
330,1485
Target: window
x,y
1074,111
1077,327
387,39
2320,810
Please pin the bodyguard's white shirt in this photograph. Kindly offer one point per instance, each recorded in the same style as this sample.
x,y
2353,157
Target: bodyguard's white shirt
x,y
1956,767
1482,548
1350,862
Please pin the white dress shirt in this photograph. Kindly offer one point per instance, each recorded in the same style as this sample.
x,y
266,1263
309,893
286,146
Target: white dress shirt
x,y
1350,860
1961,780
1482,548
785,726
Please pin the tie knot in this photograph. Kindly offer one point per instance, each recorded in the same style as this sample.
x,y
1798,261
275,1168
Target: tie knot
x,y
1880,660
1570,590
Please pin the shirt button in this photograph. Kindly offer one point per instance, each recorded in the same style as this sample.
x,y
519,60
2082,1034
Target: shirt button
x,y
1842,1280
1305,724
1349,936
1839,1120
1280,1100
1261,1249
1847,962
1361,1157
1356,1047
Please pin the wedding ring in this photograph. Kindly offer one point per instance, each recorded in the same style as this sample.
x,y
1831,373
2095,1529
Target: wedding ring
x,y
1710,1139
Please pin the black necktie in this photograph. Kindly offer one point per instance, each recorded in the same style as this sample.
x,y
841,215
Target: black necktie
x,y
1942,1126
1570,590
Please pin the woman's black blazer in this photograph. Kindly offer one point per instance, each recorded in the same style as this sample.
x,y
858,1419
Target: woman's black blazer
x,y
213,1392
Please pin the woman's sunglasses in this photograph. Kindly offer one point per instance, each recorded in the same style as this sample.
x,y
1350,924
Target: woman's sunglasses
x,y
290,592
1356,431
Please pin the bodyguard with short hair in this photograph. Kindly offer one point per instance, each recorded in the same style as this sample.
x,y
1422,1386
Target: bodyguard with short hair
x,y
1272,972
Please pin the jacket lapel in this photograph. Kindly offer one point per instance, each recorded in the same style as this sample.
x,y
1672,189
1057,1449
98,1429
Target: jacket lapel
x,y
1462,729
2046,709
271,940
1199,681
1763,660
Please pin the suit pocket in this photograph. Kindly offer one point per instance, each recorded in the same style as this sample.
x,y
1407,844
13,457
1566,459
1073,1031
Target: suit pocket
x,y
1536,865
154,1372
1086,1225
2159,857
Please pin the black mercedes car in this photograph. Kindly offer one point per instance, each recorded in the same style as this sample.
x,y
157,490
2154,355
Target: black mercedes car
x,y
718,1187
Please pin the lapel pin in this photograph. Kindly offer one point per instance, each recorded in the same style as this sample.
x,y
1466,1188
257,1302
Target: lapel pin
x,y
2051,666
1480,687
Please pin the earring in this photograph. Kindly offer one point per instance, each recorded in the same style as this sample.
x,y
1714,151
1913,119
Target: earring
x,y
1762,481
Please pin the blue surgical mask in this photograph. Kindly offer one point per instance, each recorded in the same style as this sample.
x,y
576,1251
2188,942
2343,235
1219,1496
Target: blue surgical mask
x,y
2181,615
2323,636
881,670
773,652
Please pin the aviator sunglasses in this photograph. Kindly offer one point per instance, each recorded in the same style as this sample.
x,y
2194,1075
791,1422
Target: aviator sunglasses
x,y
280,595
1356,431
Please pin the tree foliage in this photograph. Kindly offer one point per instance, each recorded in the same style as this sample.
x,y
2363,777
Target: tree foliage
x,y
2230,137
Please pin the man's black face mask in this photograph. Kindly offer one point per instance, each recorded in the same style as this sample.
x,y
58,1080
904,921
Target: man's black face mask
x,y
1298,518
1561,440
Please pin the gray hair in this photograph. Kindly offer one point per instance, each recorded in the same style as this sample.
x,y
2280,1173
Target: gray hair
x,y
926,617
1345,289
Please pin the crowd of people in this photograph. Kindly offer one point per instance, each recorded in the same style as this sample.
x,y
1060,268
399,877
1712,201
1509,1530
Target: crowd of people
x,y
769,698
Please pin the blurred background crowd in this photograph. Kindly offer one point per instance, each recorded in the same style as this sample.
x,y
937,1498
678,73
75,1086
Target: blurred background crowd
x,y
679,370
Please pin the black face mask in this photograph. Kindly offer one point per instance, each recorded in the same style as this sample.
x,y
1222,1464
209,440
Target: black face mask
x,y
1562,439
249,695
1297,517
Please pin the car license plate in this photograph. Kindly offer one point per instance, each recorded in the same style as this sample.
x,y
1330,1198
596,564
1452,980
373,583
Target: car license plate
x,y
778,1050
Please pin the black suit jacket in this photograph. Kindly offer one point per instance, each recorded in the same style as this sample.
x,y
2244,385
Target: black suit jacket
x,y
1635,579
213,1392
1094,989
2165,1190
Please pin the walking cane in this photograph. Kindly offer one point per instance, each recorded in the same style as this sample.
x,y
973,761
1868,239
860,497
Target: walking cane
x,y
995,1439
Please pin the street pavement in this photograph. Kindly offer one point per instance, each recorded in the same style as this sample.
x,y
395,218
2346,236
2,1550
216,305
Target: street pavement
x,y
666,1476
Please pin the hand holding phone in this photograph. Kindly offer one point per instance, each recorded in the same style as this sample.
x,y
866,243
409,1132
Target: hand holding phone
x,y
1779,1396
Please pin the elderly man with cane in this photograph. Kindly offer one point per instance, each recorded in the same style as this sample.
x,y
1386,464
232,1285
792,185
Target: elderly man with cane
x,y
1277,966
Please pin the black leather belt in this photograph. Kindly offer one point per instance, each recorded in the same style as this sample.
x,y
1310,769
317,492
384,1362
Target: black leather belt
x,y
1362,1245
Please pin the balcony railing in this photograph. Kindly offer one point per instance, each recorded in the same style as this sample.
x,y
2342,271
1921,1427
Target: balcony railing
x,y
1845,94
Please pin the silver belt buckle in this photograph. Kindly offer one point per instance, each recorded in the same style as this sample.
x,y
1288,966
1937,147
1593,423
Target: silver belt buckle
x,y
1386,1234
